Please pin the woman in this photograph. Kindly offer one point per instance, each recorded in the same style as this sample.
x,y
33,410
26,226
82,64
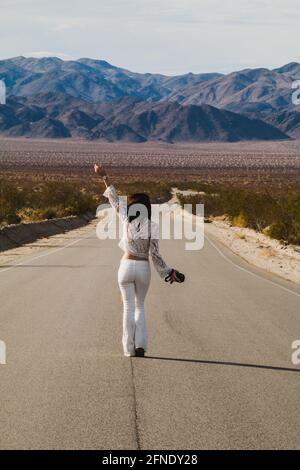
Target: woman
x,y
140,236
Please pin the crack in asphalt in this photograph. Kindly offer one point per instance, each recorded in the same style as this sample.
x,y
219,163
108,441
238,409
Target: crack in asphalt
x,y
136,427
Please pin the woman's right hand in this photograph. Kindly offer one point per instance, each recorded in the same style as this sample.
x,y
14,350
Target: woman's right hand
x,y
99,170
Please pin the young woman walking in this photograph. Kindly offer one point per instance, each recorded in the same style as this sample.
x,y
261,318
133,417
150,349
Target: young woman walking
x,y
140,237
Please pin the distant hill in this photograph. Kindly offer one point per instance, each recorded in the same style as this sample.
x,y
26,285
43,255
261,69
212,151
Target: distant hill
x,y
79,94
128,119
89,79
257,90
287,121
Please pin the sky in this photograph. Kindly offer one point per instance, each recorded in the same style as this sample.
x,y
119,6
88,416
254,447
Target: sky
x,y
159,36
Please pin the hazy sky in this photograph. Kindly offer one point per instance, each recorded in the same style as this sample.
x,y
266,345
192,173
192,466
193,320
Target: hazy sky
x,y
166,36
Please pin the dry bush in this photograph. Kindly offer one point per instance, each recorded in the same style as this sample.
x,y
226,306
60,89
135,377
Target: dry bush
x,y
276,215
30,202
239,236
240,221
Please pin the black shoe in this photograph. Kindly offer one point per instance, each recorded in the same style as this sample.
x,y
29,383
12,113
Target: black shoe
x,y
140,352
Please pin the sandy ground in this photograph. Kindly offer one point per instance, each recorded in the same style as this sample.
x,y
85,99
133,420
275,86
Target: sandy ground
x,y
259,250
254,247
246,164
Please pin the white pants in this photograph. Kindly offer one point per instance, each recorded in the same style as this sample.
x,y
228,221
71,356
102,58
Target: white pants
x,y
134,279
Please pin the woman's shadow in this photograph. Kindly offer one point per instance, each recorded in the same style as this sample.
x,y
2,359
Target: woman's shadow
x,y
225,363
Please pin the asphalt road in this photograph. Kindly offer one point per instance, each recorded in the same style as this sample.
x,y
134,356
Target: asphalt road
x,y
218,373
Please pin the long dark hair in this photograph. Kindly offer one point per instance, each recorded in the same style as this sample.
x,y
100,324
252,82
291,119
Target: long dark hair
x,y
139,198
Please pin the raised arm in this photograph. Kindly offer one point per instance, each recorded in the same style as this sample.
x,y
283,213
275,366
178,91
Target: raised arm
x,y
99,170
110,191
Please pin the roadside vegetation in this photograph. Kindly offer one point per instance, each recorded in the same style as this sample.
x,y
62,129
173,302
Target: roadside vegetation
x,y
274,213
31,201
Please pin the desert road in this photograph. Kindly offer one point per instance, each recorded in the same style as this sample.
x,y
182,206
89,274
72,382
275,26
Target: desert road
x,y
218,374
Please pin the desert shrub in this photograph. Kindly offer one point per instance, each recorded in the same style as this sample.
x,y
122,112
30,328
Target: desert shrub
x,y
213,204
277,215
29,203
60,199
29,214
276,230
11,199
294,210
240,221
50,213
159,192
10,219
286,224
255,209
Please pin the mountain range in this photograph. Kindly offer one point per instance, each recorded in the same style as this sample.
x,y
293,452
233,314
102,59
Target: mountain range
x,y
92,99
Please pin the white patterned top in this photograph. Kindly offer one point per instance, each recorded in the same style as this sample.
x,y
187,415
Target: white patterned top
x,y
140,236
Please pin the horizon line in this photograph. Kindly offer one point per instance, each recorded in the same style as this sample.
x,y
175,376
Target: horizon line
x,y
25,56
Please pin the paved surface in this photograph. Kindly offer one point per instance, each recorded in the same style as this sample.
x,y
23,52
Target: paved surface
x,y
219,371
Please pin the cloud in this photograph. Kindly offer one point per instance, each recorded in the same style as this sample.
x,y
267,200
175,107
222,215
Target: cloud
x,y
168,36
62,25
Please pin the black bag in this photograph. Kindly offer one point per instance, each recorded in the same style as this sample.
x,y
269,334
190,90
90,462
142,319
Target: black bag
x,y
179,277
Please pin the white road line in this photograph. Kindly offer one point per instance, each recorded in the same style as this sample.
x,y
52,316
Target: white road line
x,y
250,272
247,271
49,252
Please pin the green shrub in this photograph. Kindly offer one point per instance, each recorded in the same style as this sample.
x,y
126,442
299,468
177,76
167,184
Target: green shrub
x,y
277,215
50,213
276,230
11,199
30,203
159,192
